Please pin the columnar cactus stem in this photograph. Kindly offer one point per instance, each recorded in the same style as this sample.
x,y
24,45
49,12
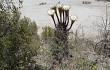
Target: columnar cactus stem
x,y
62,28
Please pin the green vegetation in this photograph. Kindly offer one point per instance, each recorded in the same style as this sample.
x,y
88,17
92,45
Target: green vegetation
x,y
47,33
83,63
21,47
18,39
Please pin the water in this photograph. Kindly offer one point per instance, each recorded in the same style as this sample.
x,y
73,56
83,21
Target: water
x,y
86,13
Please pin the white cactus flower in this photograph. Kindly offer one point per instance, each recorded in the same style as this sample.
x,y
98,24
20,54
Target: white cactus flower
x,y
66,7
73,18
59,6
54,7
50,12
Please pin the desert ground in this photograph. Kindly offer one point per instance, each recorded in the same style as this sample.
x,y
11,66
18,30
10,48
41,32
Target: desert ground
x,y
87,14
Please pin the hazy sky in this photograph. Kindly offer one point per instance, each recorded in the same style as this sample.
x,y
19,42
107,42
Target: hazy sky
x,y
29,2
1,0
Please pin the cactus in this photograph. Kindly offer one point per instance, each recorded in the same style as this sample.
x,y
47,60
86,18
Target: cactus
x,y
62,28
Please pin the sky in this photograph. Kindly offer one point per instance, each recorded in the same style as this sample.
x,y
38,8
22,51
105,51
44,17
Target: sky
x,y
1,0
